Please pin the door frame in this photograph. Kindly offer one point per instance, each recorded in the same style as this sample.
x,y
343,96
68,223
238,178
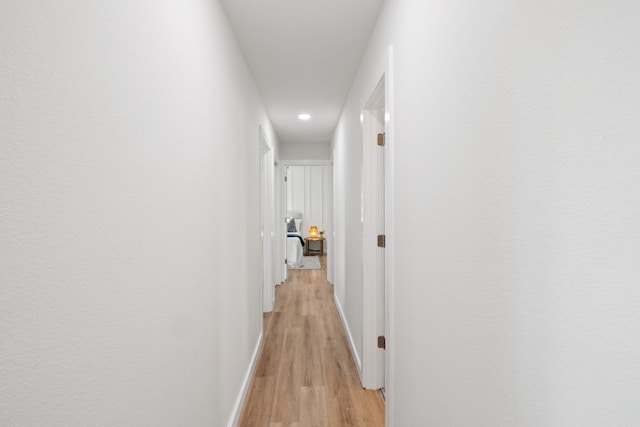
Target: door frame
x,y
267,211
328,207
385,73
372,197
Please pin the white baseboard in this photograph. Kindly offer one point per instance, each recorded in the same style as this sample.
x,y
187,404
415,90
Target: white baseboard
x,y
237,407
352,347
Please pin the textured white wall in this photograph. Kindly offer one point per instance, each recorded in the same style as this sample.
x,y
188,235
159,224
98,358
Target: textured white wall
x,y
129,186
517,210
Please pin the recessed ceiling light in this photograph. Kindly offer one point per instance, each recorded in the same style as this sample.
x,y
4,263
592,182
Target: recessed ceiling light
x,y
304,116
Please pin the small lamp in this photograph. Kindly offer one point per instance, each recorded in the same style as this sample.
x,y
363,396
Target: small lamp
x,y
313,232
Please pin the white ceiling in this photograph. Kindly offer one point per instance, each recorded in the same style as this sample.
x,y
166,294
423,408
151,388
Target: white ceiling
x,y
304,55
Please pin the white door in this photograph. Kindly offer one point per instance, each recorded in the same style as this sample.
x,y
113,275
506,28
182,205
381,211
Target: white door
x,y
373,239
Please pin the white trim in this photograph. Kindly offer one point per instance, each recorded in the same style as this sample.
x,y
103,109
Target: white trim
x,y
282,213
331,214
352,346
280,232
389,371
237,407
267,214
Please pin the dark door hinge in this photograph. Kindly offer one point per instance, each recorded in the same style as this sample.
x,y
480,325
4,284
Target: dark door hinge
x,y
382,241
382,342
381,139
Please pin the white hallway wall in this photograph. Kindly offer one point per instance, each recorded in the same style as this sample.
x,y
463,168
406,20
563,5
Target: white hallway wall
x,y
517,211
129,186
316,151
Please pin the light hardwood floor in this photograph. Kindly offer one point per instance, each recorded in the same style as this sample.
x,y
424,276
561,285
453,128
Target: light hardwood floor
x,y
305,375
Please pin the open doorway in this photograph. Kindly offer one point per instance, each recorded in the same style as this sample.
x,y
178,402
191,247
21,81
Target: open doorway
x,y
307,197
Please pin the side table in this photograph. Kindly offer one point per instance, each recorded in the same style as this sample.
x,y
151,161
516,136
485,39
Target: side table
x,y
307,244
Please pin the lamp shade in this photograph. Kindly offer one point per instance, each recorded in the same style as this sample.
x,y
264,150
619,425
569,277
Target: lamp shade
x,y
313,232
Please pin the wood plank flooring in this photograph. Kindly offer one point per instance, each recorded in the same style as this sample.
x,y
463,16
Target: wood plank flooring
x,y
305,376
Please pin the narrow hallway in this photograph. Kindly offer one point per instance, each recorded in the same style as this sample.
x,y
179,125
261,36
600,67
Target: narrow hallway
x,y
305,375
